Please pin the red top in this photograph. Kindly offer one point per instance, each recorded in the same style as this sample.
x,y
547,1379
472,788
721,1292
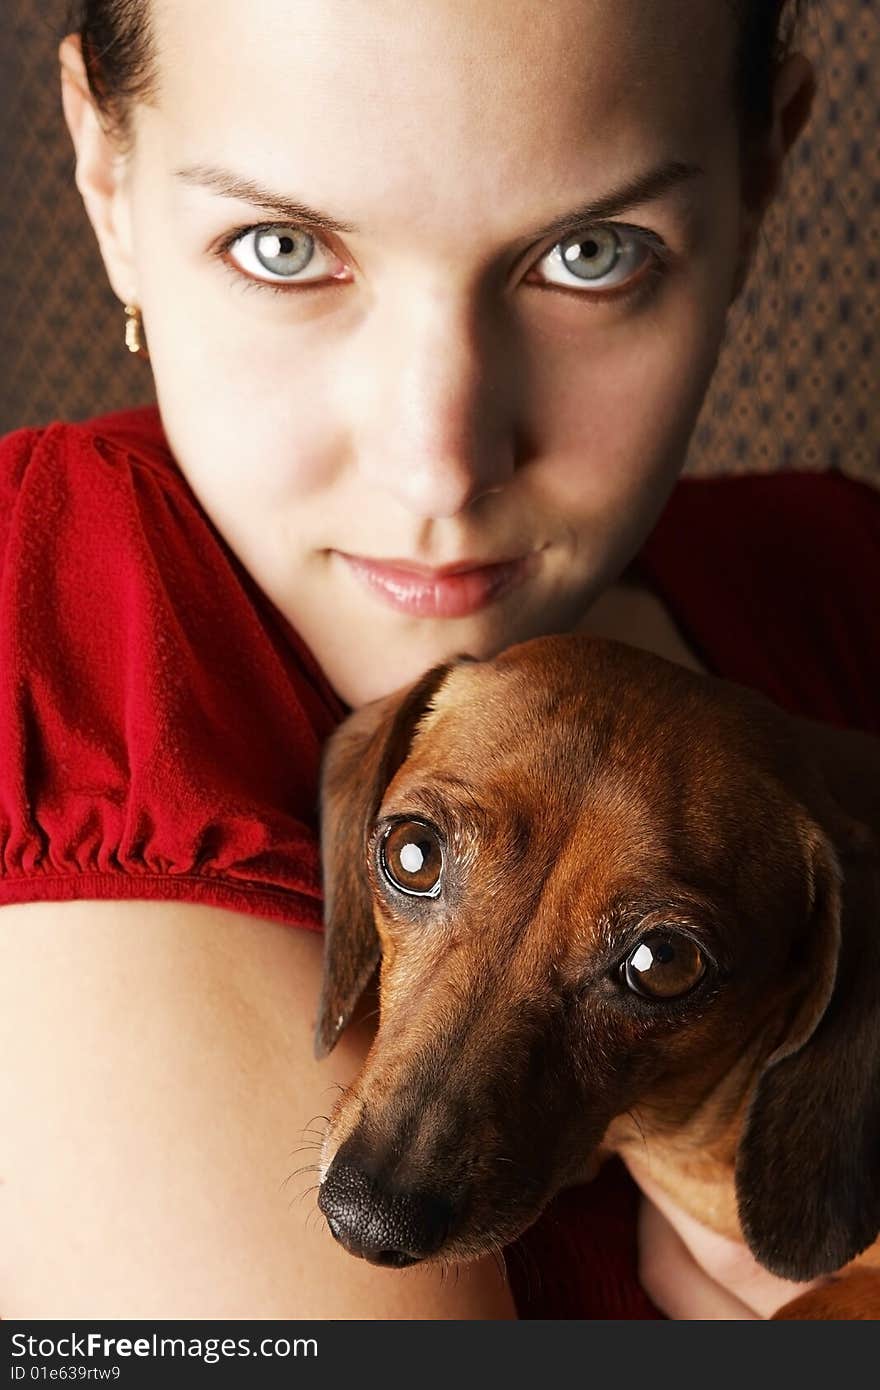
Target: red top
x,y
161,723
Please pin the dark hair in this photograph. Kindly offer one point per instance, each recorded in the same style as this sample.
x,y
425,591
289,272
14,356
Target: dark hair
x,y
117,50
117,47
765,31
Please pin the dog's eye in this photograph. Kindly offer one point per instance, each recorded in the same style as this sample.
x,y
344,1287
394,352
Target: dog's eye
x,y
411,857
664,965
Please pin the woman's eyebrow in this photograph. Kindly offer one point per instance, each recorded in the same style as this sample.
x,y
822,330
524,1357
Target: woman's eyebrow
x,y
644,188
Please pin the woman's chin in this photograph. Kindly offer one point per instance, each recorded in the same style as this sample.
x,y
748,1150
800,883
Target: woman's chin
x,y
382,650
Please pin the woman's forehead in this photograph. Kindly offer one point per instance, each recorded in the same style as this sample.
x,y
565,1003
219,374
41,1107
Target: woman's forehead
x,y
453,72
477,121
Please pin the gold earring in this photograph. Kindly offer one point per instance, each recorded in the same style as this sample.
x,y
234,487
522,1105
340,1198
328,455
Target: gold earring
x,y
134,327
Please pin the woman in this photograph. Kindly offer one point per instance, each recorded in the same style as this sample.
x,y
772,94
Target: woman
x,y
484,342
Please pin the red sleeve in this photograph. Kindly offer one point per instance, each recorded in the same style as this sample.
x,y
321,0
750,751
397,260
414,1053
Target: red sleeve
x,y
161,723
774,579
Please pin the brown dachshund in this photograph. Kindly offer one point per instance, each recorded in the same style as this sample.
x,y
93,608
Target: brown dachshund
x,y
619,907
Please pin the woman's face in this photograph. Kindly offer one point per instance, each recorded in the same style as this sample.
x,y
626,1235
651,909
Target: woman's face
x,y
444,379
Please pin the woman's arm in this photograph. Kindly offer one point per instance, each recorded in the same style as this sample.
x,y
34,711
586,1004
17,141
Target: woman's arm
x,y
157,1091
672,1278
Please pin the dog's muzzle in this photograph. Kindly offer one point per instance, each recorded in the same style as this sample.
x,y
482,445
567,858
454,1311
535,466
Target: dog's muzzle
x,y
392,1228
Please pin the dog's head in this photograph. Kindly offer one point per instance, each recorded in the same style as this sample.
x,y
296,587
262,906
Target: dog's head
x,y
597,884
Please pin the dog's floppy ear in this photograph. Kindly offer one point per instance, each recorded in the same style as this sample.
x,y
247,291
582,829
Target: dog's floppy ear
x,y
359,760
808,1163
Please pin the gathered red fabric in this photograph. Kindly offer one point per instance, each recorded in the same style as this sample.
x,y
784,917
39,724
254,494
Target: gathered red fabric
x,y
161,723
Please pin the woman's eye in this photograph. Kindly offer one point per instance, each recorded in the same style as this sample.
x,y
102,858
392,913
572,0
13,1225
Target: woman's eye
x,y
278,254
411,858
605,262
601,259
664,965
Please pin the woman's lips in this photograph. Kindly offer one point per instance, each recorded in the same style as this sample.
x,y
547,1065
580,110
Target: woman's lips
x,y
440,595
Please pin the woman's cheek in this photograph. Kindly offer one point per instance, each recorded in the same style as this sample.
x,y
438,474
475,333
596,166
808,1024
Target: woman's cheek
x,y
248,418
620,404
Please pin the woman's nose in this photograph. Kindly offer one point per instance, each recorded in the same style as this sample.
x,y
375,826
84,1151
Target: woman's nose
x,y
438,430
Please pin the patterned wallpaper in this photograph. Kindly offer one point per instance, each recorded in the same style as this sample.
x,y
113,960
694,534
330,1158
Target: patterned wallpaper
x,y
797,384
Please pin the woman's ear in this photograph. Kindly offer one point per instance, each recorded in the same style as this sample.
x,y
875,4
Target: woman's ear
x,y
359,761
808,1162
794,91
101,171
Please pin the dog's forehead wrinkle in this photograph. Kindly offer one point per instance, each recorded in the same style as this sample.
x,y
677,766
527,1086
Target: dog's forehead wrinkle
x,y
445,799
506,810
507,716
653,797
556,743
467,688
570,683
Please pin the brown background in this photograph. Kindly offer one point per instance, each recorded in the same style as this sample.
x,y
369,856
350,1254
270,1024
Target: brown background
x,y
797,385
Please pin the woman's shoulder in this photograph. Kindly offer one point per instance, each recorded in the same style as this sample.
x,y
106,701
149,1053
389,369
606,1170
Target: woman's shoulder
x,y
135,426
99,524
771,580
783,505
101,506
85,453
160,723
66,467
783,517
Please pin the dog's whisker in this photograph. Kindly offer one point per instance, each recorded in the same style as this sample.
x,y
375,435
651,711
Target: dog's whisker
x,y
316,1212
497,1253
314,1188
344,1091
374,1013
528,1261
336,1086
304,1148
306,1168
319,1134
304,1193
309,1167
316,1139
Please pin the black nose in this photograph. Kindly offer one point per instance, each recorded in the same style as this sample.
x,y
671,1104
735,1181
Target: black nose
x,y
387,1228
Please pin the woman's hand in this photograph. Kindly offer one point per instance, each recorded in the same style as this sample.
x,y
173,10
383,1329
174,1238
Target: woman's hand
x,y
671,1277
691,1272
